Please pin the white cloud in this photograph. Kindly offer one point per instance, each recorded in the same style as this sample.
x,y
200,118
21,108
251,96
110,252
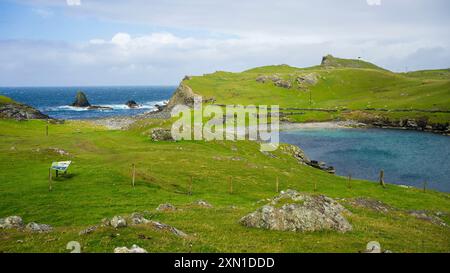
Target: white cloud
x,y
201,36
73,2
373,2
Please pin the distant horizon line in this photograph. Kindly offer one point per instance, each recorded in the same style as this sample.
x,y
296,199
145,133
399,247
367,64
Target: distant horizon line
x,y
87,86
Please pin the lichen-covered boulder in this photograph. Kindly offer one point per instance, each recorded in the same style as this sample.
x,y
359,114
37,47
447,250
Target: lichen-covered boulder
x,y
293,211
40,228
166,207
11,222
133,249
118,222
160,134
138,218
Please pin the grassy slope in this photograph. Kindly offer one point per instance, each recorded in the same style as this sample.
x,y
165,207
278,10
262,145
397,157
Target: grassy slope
x,y
5,100
338,88
100,187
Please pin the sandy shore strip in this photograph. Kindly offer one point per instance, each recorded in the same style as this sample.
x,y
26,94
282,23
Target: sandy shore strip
x,y
321,125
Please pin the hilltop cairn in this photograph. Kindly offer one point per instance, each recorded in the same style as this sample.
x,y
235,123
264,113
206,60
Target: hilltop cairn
x,y
82,101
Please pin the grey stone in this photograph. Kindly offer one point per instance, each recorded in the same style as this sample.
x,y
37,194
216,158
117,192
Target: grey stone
x,y
166,207
299,212
203,203
160,134
133,249
40,228
166,227
11,222
118,222
88,230
138,218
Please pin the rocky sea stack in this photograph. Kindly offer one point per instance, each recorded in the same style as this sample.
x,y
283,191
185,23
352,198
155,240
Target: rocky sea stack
x,y
132,104
81,100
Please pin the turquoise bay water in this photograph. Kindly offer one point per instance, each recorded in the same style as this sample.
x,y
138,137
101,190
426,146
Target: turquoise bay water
x,y
407,157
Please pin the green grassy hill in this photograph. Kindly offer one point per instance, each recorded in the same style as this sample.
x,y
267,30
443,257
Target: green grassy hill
x,y
338,84
99,185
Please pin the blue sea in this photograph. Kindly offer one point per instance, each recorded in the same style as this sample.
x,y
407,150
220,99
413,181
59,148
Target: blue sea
x,y
55,101
407,157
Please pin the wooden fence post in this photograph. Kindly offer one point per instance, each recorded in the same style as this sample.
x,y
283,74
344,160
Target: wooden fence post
x,y
425,186
46,130
277,185
231,185
190,185
134,174
50,179
382,179
349,181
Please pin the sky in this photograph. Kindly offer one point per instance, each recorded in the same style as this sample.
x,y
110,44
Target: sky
x,y
147,42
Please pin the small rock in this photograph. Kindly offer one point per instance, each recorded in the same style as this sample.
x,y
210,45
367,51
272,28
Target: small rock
x,y
138,218
41,228
88,230
160,134
106,222
423,215
166,207
133,249
203,203
11,222
118,222
372,204
171,229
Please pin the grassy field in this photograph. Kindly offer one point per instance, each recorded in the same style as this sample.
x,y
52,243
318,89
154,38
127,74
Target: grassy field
x,y
99,185
342,85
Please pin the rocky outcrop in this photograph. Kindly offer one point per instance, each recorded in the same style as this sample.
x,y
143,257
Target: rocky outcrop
x,y
426,216
293,211
81,100
296,152
203,203
132,104
11,222
419,124
371,204
183,95
16,222
302,158
118,222
88,230
166,207
322,166
168,228
20,112
39,228
307,80
133,249
161,134
277,81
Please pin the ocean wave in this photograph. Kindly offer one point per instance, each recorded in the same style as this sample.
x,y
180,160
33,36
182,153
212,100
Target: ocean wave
x,y
151,105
